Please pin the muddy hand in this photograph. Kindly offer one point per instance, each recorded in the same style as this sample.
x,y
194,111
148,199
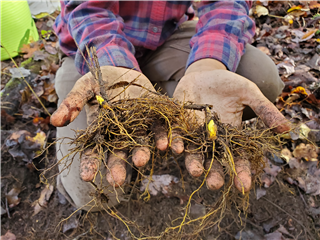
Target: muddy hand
x,y
208,82
83,94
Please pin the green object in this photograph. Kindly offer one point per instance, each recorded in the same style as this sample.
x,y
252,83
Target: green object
x,y
17,27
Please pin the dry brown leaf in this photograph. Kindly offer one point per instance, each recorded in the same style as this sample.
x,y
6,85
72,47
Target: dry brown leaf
x,y
8,236
42,202
6,118
12,197
262,2
29,49
49,93
314,4
307,152
264,49
286,154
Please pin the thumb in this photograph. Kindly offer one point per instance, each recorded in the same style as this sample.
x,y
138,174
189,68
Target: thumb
x,y
69,109
268,112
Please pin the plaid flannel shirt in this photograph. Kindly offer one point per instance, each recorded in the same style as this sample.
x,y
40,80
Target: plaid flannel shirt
x,y
122,30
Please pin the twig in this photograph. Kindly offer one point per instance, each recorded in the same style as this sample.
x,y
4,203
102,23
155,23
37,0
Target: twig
x,y
305,204
307,230
7,208
96,71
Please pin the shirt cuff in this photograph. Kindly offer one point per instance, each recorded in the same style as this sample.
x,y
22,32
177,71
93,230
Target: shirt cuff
x,y
217,46
114,55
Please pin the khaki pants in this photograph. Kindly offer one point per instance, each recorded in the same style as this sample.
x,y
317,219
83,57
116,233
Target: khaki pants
x,y
164,67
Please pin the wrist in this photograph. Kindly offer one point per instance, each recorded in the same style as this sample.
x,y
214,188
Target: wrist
x,y
206,64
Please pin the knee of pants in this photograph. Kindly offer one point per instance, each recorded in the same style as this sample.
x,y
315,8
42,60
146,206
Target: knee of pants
x,y
66,77
260,69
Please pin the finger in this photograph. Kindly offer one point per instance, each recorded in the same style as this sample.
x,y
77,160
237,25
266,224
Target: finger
x,y
72,105
140,156
177,145
160,136
89,165
194,162
116,172
269,114
215,178
242,180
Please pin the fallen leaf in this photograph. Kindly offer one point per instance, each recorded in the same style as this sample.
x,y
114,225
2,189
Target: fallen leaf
x,y
288,64
314,4
311,183
39,138
271,169
261,11
308,113
40,120
302,36
19,72
292,97
50,49
3,211
8,236
264,50
307,152
6,118
29,49
22,145
71,223
260,192
300,132
314,211
263,2
50,93
29,111
308,34
314,62
266,180
158,183
286,154
270,173
50,23
54,67
12,197
43,200
39,55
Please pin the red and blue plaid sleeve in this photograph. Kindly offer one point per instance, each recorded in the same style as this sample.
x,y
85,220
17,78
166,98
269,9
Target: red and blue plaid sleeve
x,y
94,23
222,32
